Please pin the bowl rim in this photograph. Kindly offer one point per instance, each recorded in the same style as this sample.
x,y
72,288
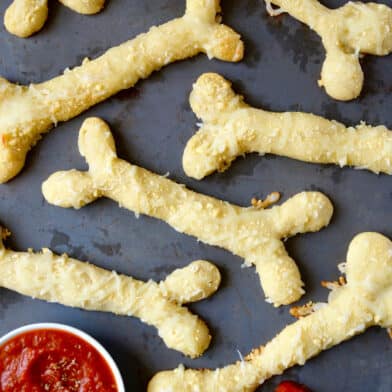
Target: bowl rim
x,y
74,331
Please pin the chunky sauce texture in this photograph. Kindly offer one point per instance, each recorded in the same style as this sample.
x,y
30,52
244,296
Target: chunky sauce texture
x,y
53,361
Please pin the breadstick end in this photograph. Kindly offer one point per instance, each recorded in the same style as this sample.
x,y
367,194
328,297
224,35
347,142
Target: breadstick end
x,y
202,155
197,281
370,255
211,96
69,189
191,338
279,277
12,158
342,86
96,142
205,10
225,44
23,18
369,270
221,42
86,7
317,211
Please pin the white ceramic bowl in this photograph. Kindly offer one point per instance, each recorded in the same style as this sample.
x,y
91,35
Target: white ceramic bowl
x,y
74,331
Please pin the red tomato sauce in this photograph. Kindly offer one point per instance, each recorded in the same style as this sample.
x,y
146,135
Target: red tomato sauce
x,y
291,386
53,361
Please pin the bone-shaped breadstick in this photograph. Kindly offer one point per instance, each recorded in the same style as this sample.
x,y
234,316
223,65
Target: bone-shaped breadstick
x,y
346,32
25,17
79,284
27,112
232,128
255,235
365,301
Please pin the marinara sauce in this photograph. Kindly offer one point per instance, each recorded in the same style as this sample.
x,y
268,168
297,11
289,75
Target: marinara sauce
x,y
50,360
291,386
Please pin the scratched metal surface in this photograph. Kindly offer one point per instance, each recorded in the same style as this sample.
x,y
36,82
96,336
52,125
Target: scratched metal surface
x,y
151,124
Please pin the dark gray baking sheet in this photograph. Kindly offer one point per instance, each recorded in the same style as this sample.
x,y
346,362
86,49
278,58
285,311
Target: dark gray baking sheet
x,y
151,124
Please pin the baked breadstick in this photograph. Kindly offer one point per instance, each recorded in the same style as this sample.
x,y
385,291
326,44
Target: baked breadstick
x,y
25,17
363,302
26,112
87,7
347,32
232,128
78,284
256,235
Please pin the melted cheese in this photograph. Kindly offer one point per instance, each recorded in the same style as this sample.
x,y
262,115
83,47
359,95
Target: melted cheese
x,y
28,112
255,235
236,129
70,282
346,32
351,309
